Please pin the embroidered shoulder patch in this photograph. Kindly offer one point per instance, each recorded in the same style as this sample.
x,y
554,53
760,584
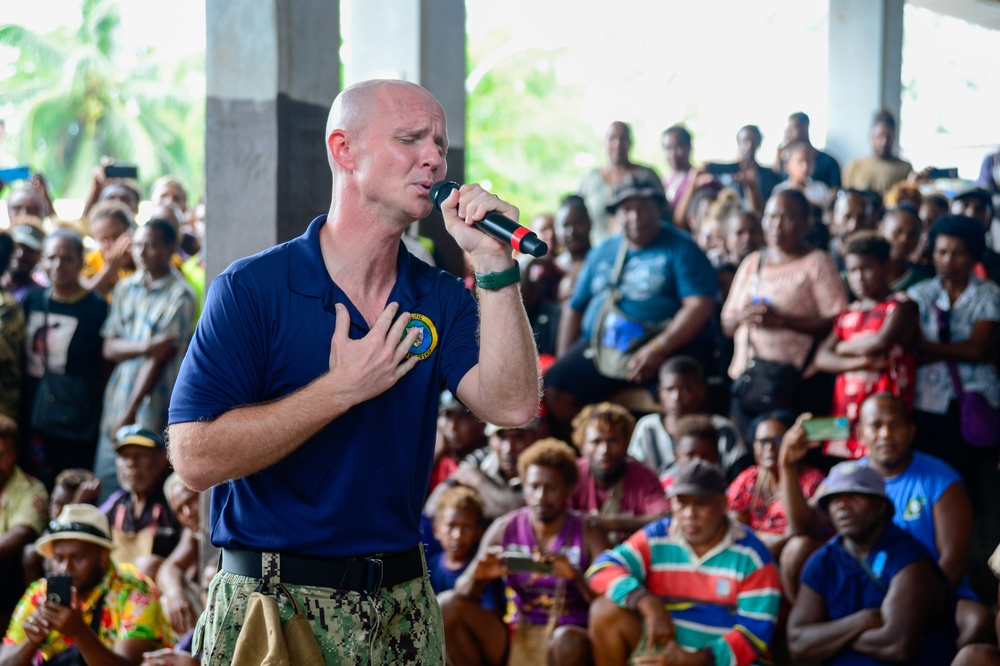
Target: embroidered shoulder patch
x,y
427,337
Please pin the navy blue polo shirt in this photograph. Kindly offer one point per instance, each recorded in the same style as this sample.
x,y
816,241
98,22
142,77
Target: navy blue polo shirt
x,y
357,487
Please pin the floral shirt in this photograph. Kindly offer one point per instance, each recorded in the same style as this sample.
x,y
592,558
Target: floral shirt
x,y
23,501
766,514
979,301
131,611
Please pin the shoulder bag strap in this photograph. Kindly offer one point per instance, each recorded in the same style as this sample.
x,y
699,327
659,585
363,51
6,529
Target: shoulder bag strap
x,y
864,565
616,272
944,335
754,287
45,333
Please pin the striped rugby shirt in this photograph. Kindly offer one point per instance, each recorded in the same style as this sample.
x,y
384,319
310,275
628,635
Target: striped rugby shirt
x,y
726,601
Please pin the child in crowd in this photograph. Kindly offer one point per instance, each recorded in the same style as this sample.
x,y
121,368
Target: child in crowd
x,y
871,346
799,163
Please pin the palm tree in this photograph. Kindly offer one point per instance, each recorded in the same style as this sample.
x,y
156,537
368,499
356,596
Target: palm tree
x,y
76,96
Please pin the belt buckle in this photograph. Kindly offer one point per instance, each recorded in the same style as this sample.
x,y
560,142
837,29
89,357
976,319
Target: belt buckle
x,y
373,582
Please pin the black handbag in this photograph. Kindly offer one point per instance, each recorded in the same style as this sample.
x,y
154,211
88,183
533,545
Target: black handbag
x,y
765,386
65,406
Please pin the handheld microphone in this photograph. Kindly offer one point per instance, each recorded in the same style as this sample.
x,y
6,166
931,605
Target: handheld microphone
x,y
496,225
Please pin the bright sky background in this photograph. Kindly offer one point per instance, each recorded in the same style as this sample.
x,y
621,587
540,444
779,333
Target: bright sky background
x,y
713,65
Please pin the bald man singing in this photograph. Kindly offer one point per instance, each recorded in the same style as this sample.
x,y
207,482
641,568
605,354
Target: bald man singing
x,y
308,398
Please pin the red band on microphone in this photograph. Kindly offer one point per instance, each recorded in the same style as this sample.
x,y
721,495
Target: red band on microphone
x,y
515,238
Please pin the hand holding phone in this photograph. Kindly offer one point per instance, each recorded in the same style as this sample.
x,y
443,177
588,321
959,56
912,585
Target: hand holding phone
x,y
722,169
118,170
58,589
826,428
934,174
521,563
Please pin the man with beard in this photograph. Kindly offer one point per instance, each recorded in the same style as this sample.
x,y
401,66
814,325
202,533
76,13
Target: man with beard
x,y
541,552
873,594
694,589
619,492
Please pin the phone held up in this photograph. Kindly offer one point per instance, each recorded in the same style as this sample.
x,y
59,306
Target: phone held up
x,y
57,588
121,171
825,428
521,563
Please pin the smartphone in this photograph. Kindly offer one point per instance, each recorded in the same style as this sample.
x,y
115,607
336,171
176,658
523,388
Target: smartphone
x,y
934,174
121,171
829,427
57,588
721,169
22,172
521,563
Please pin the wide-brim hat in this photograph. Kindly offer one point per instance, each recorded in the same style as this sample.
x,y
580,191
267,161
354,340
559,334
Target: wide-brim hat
x,y
850,477
77,522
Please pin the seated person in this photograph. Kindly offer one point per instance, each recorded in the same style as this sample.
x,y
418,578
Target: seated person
x,y
983,654
931,504
458,527
682,392
618,493
872,594
755,495
554,537
113,615
23,502
664,283
144,528
72,486
901,226
493,473
695,438
872,344
178,577
695,588
459,433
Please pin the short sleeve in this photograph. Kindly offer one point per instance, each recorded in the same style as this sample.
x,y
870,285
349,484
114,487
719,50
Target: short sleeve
x,y
695,275
460,347
814,573
828,288
581,292
31,507
25,607
224,364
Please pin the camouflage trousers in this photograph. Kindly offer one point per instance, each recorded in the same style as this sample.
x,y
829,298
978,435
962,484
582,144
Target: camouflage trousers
x,y
399,625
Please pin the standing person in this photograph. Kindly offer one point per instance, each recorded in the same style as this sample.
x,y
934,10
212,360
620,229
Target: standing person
x,y
676,142
573,226
597,185
146,332
64,340
902,227
306,342
825,169
783,298
872,347
28,237
11,339
882,169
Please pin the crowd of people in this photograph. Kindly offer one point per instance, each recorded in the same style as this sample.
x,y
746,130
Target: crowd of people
x,y
769,427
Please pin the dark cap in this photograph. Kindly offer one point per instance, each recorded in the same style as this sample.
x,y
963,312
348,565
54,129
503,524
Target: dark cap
x,y
139,436
973,193
850,477
28,235
698,479
636,185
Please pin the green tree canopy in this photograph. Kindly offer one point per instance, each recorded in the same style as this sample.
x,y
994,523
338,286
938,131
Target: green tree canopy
x,y
77,95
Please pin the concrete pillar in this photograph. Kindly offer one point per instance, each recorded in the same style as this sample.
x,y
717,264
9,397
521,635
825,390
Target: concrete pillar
x,y
272,68
421,41
866,54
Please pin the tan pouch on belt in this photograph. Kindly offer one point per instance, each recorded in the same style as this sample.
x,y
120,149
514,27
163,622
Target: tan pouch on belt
x,y
264,642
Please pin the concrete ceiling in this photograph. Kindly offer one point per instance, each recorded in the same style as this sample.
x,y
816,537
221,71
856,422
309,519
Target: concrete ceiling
x,y
981,12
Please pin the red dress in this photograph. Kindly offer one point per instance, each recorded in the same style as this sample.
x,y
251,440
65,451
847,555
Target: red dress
x,y
851,388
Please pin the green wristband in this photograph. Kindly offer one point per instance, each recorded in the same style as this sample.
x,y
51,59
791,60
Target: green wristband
x,y
499,280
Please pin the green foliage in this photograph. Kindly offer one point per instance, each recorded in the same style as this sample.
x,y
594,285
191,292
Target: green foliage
x,y
76,96
525,131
